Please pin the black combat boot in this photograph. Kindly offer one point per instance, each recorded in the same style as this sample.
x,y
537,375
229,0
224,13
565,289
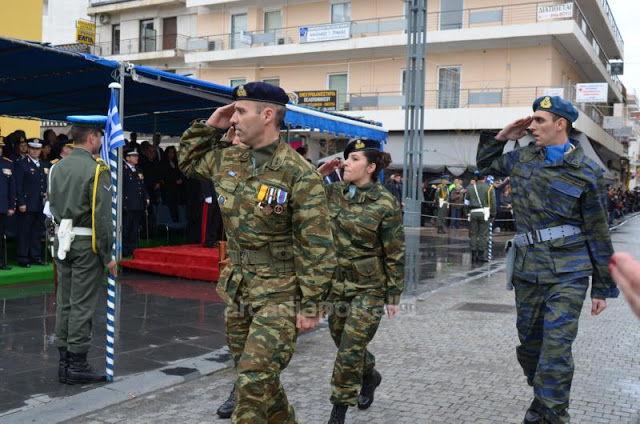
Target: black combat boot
x,y
481,257
474,256
370,382
63,364
533,413
226,409
338,413
80,372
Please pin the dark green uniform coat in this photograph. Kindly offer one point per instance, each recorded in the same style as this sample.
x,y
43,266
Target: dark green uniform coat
x,y
551,277
81,273
282,257
369,240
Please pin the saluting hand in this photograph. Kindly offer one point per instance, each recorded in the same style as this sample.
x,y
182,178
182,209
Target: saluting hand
x,y
515,130
330,167
221,117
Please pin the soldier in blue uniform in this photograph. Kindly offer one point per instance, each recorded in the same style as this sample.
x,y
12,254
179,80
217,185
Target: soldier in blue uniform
x,y
7,198
31,190
562,239
135,201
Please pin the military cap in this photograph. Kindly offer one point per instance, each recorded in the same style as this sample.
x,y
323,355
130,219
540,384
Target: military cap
x,y
261,92
489,179
446,177
132,152
22,140
90,121
35,143
558,106
358,145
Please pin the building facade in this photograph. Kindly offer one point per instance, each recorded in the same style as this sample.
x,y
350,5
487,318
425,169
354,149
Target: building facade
x,y
487,60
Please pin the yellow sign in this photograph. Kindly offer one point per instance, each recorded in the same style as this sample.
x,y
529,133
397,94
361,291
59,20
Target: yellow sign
x,y
85,37
86,26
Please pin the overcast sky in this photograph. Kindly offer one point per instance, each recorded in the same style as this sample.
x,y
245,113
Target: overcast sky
x,y
627,17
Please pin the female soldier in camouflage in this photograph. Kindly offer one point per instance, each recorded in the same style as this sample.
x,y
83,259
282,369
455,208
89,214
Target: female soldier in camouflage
x,y
369,242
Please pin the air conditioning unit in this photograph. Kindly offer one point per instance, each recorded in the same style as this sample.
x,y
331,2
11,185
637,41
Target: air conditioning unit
x,y
104,18
282,40
214,45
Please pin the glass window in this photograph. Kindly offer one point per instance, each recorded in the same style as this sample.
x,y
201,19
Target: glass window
x,y
338,82
273,24
449,87
115,39
272,81
147,36
238,26
340,12
237,81
450,14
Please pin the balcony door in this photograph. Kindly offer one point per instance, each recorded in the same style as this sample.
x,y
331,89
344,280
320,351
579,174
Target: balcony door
x,y
273,24
450,14
449,87
339,82
147,36
238,26
169,33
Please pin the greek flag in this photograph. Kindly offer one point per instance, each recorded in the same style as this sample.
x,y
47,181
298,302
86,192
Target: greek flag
x,y
113,135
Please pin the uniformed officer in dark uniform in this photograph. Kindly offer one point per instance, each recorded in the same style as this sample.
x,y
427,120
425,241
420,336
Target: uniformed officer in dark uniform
x,y
31,190
134,203
7,199
80,202
211,217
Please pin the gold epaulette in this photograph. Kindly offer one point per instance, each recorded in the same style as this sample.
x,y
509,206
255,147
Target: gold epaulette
x,y
54,161
7,159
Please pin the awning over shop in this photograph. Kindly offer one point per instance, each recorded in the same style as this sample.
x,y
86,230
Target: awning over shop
x,y
43,82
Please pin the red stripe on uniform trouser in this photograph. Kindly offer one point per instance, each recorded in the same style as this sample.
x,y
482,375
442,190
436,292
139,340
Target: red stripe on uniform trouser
x,y
203,225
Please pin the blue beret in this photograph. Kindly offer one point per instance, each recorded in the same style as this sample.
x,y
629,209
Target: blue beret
x,y
261,92
358,145
558,106
446,177
95,121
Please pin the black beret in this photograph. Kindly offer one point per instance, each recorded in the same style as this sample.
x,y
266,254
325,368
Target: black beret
x,y
261,92
358,145
558,106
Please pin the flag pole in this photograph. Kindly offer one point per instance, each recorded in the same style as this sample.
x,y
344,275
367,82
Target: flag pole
x,y
111,280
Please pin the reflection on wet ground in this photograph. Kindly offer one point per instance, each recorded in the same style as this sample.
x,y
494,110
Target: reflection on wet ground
x,y
161,320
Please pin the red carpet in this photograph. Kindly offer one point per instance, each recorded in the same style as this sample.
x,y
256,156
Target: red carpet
x,y
190,261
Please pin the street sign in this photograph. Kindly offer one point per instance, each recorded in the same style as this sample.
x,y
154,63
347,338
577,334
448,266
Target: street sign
x,y
85,32
562,11
323,100
595,92
611,122
623,132
312,34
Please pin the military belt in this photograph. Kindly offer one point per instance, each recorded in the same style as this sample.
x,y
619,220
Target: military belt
x,y
262,256
545,234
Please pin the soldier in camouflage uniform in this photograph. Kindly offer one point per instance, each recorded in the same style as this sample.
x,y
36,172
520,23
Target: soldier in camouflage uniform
x,y
80,194
279,242
562,239
482,209
369,240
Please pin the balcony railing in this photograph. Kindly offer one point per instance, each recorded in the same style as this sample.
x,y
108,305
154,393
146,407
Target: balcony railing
x,y
612,22
156,43
436,21
470,98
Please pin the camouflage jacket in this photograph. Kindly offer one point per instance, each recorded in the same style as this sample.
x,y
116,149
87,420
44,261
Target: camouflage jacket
x,y
71,197
293,247
369,239
568,191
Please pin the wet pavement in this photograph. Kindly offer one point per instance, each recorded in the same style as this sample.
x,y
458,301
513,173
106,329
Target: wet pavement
x,y
161,320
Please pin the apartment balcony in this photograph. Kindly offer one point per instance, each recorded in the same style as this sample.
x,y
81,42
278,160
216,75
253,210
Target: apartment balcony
x,y
145,48
602,20
475,28
107,6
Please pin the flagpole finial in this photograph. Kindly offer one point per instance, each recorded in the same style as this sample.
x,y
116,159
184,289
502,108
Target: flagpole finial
x,y
115,85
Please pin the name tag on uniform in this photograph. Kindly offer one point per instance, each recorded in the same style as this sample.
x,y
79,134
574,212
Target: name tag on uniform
x,y
7,171
141,176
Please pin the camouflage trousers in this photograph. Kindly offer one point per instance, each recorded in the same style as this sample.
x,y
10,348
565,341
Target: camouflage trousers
x,y
261,341
478,232
353,322
547,325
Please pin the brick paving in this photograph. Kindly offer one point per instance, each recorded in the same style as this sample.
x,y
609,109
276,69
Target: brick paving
x,y
450,360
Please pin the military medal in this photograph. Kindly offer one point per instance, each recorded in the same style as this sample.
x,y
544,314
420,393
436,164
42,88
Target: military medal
x,y
262,194
268,209
221,200
281,198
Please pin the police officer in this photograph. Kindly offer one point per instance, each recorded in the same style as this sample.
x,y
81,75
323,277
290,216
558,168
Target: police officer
x,y
7,199
31,191
442,199
482,209
562,239
280,244
134,203
21,148
369,239
80,201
